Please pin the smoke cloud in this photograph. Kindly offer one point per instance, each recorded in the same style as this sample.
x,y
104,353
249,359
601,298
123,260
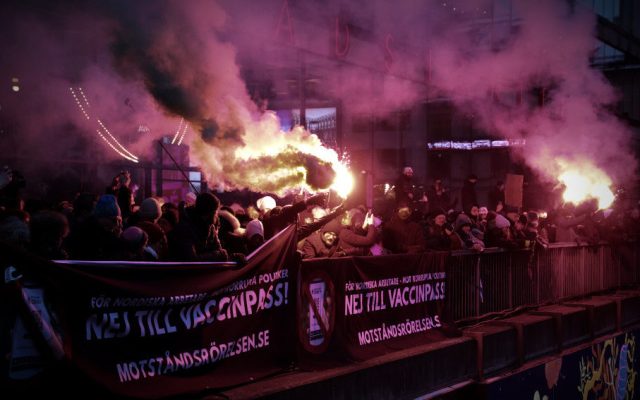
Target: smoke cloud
x,y
145,65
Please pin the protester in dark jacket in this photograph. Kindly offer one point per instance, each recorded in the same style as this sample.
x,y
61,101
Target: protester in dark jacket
x,y
323,243
401,235
48,230
468,239
438,197
404,187
499,232
195,238
440,234
98,238
354,239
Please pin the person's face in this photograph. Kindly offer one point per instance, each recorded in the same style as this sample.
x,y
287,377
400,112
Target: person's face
x,y
404,213
329,238
466,229
440,220
474,211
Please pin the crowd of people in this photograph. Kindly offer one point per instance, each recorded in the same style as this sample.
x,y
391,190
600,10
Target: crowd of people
x,y
112,226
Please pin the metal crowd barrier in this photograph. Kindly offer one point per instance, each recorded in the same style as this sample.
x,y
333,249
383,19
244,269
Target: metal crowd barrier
x,y
497,280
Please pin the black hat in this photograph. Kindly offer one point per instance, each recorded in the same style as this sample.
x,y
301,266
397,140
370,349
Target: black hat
x,y
206,203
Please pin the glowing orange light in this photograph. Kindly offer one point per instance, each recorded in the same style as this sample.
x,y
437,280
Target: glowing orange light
x,y
584,181
343,183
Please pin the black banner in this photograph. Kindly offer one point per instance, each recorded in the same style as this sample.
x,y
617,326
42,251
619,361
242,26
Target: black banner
x,y
362,307
160,329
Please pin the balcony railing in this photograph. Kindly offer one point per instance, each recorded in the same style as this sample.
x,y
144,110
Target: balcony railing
x,y
497,281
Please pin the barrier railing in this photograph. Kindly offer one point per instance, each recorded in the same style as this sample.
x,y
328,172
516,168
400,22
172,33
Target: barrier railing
x,y
496,280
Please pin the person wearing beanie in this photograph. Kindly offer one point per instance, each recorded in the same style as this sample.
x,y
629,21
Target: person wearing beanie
x,y
107,207
323,242
254,227
501,222
98,238
195,237
402,235
150,210
499,232
254,234
134,242
107,214
157,245
461,221
467,238
440,234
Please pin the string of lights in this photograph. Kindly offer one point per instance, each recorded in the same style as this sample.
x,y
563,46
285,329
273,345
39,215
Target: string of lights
x,y
116,140
84,97
75,97
123,152
184,132
173,141
135,160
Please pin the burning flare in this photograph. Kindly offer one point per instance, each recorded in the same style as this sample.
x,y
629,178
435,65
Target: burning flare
x,y
585,181
270,160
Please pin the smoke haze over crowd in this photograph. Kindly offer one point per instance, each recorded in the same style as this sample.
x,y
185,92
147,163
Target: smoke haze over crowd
x,y
146,65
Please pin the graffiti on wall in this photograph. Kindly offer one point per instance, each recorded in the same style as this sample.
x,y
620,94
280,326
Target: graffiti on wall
x,y
609,373
606,370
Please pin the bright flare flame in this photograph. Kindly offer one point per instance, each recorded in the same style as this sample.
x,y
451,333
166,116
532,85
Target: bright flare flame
x,y
586,182
343,183
270,160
